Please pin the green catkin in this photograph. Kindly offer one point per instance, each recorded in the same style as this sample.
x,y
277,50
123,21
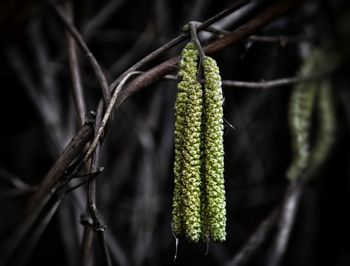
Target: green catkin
x,y
214,151
199,206
326,126
300,111
191,173
300,116
188,90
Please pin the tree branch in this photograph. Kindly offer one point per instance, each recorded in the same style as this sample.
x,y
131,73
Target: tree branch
x,y
57,171
157,72
178,40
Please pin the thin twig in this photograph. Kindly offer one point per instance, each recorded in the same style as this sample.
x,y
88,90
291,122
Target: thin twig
x,y
89,223
91,195
260,20
247,29
198,45
92,60
261,85
195,40
97,224
78,95
106,116
283,40
210,29
90,176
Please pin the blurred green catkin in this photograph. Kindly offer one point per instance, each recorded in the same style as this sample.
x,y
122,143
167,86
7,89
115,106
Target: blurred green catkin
x,y
307,159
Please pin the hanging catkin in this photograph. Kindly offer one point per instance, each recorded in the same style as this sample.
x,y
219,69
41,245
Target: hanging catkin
x,y
307,159
214,152
326,127
191,180
187,166
301,105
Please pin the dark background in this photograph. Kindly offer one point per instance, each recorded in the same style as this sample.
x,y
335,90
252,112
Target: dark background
x,y
135,189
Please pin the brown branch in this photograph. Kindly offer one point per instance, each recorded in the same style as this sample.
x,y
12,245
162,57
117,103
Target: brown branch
x,y
178,40
57,171
97,225
260,85
283,40
44,193
263,85
106,116
270,13
267,15
268,84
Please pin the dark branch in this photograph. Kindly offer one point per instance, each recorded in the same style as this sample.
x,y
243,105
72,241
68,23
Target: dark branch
x,y
57,171
178,40
150,76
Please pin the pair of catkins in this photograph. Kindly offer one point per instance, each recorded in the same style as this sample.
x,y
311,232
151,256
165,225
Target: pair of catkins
x,y
199,205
